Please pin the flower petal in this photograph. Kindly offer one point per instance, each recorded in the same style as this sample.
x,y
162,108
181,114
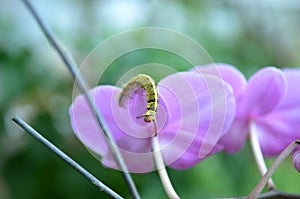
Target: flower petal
x,y
272,138
228,73
178,155
136,150
201,106
234,140
292,98
282,125
264,93
85,125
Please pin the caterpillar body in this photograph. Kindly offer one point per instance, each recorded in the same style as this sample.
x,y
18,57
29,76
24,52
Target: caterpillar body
x,y
147,83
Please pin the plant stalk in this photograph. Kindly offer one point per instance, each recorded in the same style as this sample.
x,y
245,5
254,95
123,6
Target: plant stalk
x,y
256,149
160,166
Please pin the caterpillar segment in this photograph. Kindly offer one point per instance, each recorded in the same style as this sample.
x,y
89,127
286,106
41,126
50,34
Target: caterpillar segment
x,y
147,83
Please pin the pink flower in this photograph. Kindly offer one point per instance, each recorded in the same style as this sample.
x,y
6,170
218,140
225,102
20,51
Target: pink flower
x,y
271,101
194,112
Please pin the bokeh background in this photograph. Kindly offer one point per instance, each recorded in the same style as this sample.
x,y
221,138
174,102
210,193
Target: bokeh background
x,y
35,85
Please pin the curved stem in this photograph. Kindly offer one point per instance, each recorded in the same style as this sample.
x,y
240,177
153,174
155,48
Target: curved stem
x,y
259,156
282,156
162,170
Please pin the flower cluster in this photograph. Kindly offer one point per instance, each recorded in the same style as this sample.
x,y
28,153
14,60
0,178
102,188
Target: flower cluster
x,y
270,102
200,112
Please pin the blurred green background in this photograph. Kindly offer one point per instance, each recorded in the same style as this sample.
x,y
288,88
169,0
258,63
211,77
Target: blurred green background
x,y
35,85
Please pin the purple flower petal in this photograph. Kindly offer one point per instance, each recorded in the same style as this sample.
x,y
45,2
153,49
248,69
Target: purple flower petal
x,y
119,122
292,99
85,125
282,125
226,72
272,138
234,140
264,93
178,155
203,107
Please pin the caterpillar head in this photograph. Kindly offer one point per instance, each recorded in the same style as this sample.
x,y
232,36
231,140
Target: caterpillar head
x,y
149,116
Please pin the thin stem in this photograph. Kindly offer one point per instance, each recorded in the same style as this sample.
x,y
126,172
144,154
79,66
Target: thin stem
x,y
162,170
274,194
84,89
65,157
258,155
278,161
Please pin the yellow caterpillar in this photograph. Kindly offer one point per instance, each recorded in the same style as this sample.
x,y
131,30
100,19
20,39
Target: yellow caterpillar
x,y
147,83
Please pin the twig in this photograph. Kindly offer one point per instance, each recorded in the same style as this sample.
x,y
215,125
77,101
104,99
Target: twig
x,y
282,156
259,156
162,170
84,89
274,194
65,157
